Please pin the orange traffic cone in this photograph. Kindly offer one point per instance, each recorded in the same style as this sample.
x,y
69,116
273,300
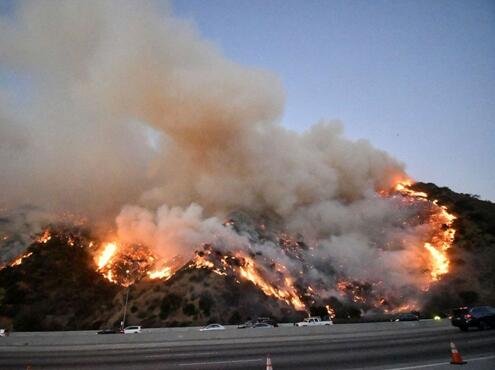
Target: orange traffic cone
x,y
268,362
456,356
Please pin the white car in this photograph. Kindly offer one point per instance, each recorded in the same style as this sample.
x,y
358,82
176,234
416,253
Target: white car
x,y
132,330
3,333
314,321
212,327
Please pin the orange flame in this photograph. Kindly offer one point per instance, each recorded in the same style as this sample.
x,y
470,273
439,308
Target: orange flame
x,y
440,262
200,262
19,260
443,236
164,273
403,188
109,276
331,311
289,294
45,237
113,258
107,254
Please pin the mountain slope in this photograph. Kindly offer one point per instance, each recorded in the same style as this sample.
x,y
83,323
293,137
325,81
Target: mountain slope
x,y
197,296
55,288
58,288
472,275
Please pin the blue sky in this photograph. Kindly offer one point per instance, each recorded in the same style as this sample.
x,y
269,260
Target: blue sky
x,y
416,78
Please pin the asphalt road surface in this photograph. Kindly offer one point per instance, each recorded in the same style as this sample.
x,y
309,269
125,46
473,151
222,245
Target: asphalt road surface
x,y
398,346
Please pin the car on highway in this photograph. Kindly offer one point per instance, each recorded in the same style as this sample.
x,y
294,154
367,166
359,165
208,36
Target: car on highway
x,y
212,327
251,323
132,330
262,325
3,333
247,324
108,331
407,317
481,317
268,320
314,321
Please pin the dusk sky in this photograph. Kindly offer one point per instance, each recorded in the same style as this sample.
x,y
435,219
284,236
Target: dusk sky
x,y
415,78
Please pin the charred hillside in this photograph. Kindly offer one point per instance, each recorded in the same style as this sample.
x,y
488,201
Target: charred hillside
x,y
195,296
472,276
55,287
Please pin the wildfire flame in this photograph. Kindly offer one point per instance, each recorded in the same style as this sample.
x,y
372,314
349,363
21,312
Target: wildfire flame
x,y
287,294
246,268
163,274
107,254
406,307
441,221
45,237
283,287
123,264
331,311
19,260
203,264
403,188
440,262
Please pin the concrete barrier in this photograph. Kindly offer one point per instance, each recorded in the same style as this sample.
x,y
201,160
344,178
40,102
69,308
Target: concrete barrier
x,y
192,335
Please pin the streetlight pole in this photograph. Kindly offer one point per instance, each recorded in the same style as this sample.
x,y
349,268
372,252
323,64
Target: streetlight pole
x,y
122,323
125,309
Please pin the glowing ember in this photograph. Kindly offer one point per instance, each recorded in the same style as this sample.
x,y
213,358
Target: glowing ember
x,y
353,290
19,260
202,263
407,307
331,311
109,276
45,237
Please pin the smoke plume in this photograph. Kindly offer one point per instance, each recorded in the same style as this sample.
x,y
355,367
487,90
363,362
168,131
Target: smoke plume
x,y
125,111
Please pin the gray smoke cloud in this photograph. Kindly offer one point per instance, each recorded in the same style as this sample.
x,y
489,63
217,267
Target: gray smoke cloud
x,y
129,112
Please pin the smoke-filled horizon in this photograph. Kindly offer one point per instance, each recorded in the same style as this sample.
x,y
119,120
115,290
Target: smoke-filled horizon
x,y
108,78
133,118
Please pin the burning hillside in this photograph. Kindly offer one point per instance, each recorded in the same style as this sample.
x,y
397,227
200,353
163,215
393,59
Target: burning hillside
x,y
174,157
203,287
283,266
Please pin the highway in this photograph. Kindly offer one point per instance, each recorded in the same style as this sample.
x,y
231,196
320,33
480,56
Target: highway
x,y
395,345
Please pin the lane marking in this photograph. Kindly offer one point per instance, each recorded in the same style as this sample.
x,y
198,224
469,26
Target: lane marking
x,y
185,354
440,363
221,362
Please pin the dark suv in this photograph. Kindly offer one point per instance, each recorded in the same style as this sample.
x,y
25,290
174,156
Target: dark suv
x,y
482,317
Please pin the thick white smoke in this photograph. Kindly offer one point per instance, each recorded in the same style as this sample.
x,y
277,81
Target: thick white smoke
x,y
127,108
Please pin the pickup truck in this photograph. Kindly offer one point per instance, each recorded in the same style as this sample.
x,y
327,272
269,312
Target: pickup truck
x,y
314,321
